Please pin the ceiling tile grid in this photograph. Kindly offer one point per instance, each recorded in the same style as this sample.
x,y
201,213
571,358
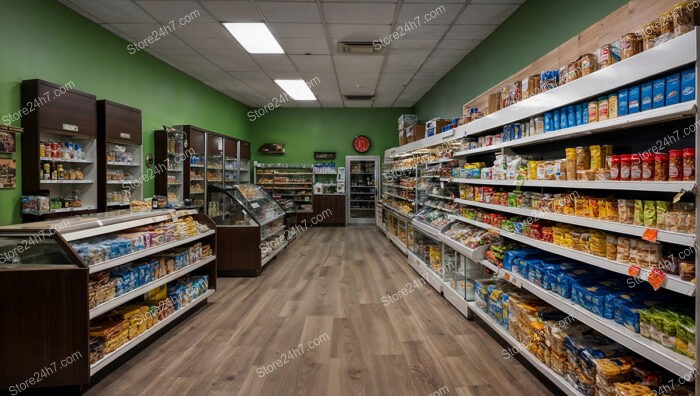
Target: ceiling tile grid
x,y
420,41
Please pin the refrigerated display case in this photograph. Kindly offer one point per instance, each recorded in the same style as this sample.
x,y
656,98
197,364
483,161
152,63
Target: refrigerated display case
x,y
362,183
288,182
169,152
95,272
231,175
251,228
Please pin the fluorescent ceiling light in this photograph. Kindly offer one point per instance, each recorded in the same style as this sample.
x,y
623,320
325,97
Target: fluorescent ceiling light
x,y
256,38
297,89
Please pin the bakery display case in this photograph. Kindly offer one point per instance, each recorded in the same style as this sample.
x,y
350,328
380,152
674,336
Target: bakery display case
x,y
244,162
231,169
170,158
288,182
119,155
251,228
59,151
100,274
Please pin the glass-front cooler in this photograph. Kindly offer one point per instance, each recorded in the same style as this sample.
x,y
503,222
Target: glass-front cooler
x,y
362,183
258,219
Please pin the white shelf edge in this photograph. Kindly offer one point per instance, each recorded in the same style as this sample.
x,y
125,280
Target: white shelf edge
x,y
83,181
669,186
73,161
557,379
426,229
134,164
145,253
112,356
629,229
657,353
117,301
457,301
271,234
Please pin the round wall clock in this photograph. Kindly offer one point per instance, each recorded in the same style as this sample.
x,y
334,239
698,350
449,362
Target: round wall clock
x,y
361,144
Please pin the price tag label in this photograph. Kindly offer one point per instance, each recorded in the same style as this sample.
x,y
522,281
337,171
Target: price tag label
x,y
656,278
255,205
506,276
650,234
634,270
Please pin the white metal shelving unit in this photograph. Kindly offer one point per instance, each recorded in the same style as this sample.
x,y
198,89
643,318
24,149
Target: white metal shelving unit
x,y
677,53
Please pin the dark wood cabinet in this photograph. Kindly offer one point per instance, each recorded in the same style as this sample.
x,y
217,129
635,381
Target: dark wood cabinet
x,y
58,109
245,150
329,210
118,124
230,147
215,144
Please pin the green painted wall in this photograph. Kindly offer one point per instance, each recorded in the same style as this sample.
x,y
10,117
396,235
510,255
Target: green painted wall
x,y
46,40
533,30
305,130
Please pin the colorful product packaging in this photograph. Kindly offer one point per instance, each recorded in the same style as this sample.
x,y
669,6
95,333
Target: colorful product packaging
x,y
673,87
633,100
623,102
688,85
659,93
647,96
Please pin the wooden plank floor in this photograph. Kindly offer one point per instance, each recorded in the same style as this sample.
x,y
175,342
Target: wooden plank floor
x,y
331,281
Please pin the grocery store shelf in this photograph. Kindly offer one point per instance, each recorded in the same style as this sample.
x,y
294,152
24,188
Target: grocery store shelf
x,y
438,208
657,353
426,229
473,254
72,161
670,186
557,379
196,166
84,181
131,164
112,356
123,182
273,232
273,254
127,258
396,241
117,301
672,282
455,299
440,161
629,229
406,217
668,113
440,197
112,204
398,186
425,272
399,197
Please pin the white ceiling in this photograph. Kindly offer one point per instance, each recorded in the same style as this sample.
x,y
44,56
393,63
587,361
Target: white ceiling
x,y
309,31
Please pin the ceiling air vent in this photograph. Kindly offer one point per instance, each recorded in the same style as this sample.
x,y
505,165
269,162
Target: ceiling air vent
x,y
358,97
359,48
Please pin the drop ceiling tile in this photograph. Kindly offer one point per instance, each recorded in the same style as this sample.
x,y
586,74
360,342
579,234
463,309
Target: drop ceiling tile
x,y
310,103
358,63
138,31
251,76
395,77
406,62
170,43
470,32
214,45
305,46
497,1
358,103
274,63
458,44
233,62
408,44
324,80
112,11
313,63
439,63
290,12
166,11
233,11
334,101
428,76
424,32
179,53
200,67
423,14
487,14
348,32
297,30
368,13
438,1
204,30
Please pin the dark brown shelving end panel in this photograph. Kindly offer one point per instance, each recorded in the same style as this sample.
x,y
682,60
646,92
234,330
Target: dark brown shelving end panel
x,y
160,156
245,150
238,251
230,147
215,144
116,123
54,110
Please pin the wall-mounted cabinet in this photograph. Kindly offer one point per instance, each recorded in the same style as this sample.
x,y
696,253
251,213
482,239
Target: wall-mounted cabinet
x,y
59,148
119,155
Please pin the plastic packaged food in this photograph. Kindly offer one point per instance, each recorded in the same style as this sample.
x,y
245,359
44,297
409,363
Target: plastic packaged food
x,y
603,113
625,167
661,167
570,163
602,175
625,209
589,64
634,253
596,158
650,33
687,270
573,70
689,164
623,250
612,106
635,167
611,211
583,158
638,212
585,175
592,111
648,168
661,210
683,18
630,45
608,55
675,165
611,247
615,167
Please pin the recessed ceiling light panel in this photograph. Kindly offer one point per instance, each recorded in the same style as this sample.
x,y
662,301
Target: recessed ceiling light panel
x,y
256,38
297,89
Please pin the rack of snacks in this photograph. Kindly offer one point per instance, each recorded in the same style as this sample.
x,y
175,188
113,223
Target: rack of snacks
x,y
119,143
244,162
362,189
59,150
288,181
231,168
110,282
251,228
170,164
196,164
583,199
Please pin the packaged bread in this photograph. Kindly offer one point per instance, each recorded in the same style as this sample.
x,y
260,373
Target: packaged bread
x,y
598,243
585,175
649,213
611,247
633,252
686,270
582,207
583,158
623,250
629,389
625,210
661,210
638,215
611,211
596,158
603,209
